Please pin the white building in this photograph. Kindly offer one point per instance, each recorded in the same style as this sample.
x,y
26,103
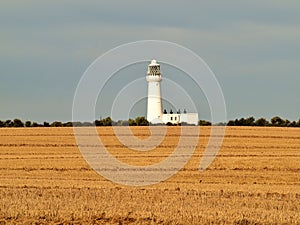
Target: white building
x,y
155,114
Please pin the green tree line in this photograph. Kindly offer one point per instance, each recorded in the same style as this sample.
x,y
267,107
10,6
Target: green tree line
x,y
142,121
139,121
263,122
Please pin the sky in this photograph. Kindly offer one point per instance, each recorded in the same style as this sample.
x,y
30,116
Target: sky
x,y
253,48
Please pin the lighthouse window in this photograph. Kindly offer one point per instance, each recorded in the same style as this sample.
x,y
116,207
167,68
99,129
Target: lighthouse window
x,y
175,118
171,117
154,70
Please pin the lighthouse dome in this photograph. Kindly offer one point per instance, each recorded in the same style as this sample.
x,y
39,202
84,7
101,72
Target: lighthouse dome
x,y
154,62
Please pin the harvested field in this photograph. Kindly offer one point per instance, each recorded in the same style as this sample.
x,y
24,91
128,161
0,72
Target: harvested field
x,y
255,179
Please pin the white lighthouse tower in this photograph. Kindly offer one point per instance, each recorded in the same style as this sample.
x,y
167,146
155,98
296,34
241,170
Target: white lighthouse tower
x,y
154,105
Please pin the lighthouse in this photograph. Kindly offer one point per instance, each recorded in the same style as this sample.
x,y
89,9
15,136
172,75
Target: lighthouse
x,y
154,104
155,115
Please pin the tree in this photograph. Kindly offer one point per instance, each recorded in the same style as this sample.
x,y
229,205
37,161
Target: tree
x,y
56,124
204,123
169,124
261,122
28,123
249,121
131,122
286,123
298,123
46,124
18,123
241,122
277,121
104,122
2,124
68,124
35,124
141,121
108,121
8,123
98,123
231,123
292,124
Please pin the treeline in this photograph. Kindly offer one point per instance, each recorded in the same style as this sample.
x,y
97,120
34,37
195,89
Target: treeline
x,y
262,122
142,121
20,123
139,121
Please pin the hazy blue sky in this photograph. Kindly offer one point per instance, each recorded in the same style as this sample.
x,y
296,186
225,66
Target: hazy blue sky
x,y
253,47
